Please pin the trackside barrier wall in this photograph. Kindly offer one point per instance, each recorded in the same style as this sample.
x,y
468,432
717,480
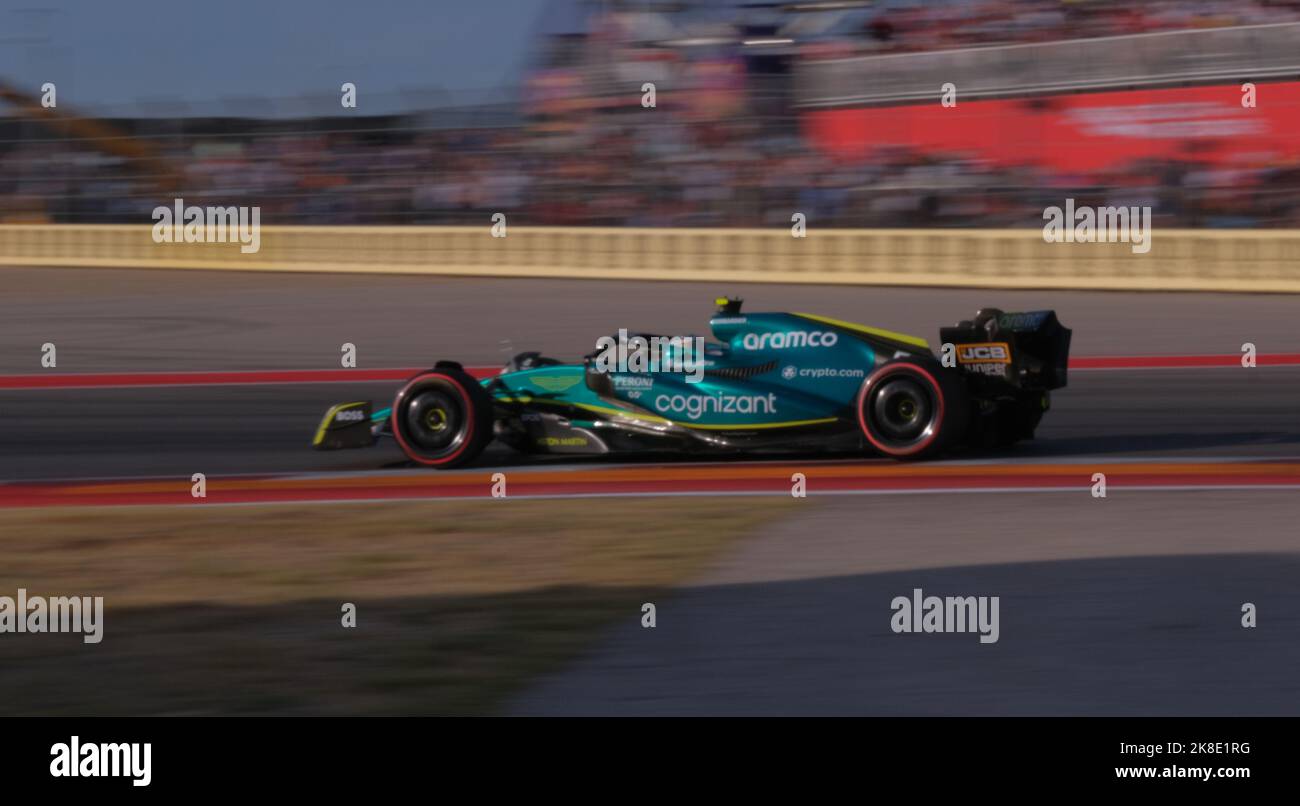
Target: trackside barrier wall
x,y
1191,260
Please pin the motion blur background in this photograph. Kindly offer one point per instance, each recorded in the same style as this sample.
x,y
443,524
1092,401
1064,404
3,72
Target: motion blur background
x,y
534,109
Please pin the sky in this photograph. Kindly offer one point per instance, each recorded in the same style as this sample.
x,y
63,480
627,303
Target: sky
x,y
133,55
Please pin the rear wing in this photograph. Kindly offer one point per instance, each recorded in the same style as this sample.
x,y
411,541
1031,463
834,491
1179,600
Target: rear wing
x,y
1028,351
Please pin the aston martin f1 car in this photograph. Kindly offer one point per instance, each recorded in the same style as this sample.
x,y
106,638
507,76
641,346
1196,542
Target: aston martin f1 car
x,y
771,382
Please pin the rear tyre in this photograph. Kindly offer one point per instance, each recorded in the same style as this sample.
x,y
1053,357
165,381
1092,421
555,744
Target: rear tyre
x,y
910,409
442,418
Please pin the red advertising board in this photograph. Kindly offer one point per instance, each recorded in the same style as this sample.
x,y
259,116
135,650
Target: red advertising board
x,y
1080,132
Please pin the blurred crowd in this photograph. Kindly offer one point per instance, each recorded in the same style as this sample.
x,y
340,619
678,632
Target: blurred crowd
x,y
740,177
979,23
724,144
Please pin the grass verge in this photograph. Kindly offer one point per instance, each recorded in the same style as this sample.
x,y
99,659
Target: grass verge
x,y
236,610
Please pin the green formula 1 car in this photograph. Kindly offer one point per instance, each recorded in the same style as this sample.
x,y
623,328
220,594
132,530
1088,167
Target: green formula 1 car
x,y
771,382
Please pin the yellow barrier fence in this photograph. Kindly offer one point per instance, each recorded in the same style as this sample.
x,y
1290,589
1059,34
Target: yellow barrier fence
x,y
1179,260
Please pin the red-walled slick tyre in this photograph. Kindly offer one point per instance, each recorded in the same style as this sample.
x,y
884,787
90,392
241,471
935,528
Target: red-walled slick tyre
x,y
442,418
910,409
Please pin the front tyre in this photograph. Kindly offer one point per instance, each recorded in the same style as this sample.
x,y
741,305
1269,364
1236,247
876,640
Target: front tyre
x,y
912,409
442,418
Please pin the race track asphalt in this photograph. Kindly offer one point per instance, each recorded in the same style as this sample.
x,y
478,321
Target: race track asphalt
x,y
1246,413
1124,605
105,320
147,321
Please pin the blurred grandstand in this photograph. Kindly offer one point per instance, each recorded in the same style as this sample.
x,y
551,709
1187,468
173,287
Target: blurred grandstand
x,y
828,108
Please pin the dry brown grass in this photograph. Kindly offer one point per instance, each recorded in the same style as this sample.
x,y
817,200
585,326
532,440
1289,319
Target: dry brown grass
x,y
236,609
